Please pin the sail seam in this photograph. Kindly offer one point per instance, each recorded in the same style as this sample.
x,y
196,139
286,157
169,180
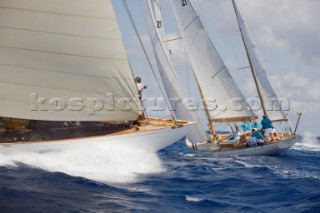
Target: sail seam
x,y
59,53
56,13
193,20
56,33
55,88
48,104
57,71
217,73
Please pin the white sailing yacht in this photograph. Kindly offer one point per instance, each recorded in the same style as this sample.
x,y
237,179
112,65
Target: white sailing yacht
x,y
65,61
215,83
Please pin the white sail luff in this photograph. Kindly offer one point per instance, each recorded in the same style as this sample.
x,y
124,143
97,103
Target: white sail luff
x,y
64,53
170,81
271,102
222,95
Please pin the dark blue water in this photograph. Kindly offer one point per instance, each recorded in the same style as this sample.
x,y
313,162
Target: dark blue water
x,y
174,180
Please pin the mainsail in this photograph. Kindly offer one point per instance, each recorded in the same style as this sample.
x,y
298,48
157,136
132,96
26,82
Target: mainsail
x,y
271,101
222,95
64,62
169,79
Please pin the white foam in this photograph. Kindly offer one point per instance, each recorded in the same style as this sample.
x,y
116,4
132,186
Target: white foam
x,y
308,143
193,199
295,173
248,165
99,162
189,155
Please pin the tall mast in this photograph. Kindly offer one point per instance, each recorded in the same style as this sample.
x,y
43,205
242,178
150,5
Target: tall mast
x,y
208,66
250,62
213,131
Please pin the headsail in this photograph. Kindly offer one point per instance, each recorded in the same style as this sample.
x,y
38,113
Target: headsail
x,y
169,79
271,102
71,55
219,89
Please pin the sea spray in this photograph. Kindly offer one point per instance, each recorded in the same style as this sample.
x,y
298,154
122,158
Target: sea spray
x,y
98,162
308,143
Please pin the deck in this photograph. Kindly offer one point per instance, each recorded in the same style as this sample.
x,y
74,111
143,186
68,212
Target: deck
x,y
42,131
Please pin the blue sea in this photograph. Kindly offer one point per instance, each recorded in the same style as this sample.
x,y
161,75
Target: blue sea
x,y
176,179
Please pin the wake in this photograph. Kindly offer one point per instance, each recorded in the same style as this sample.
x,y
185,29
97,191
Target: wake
x,y
99,162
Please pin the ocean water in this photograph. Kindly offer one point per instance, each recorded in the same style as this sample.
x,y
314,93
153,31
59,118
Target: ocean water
x,y
176,179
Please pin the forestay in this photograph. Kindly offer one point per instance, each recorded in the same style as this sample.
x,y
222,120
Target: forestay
x,y
222,95
271,101
64,60
169,78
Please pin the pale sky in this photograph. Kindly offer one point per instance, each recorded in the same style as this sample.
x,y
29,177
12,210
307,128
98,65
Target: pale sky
x,y
286,32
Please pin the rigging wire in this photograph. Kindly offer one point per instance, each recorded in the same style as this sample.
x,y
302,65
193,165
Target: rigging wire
x,y
249,85
147,57
167,42
163,32
159,85
187,71
164,43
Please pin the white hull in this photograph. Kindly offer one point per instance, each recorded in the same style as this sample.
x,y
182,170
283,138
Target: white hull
x,y
268,149
151,141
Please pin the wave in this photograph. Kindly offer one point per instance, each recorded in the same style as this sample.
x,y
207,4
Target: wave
x,y
308,143
289,173
100,162
193,199
248,165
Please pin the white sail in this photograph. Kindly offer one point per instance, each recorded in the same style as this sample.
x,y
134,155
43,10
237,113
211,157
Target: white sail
x,y
224,98
272,104
69,53
170,81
